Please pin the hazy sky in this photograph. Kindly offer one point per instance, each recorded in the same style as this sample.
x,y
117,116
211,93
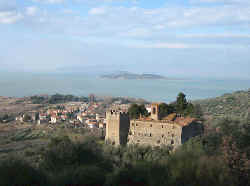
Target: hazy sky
x,y
205,38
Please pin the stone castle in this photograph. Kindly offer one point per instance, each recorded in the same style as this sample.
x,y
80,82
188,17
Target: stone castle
x,y
172,130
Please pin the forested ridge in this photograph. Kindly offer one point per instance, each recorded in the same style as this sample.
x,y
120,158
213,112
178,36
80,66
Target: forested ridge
x,y
235,105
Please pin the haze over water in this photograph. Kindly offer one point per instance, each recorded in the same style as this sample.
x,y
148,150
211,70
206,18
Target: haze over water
x,y
19,85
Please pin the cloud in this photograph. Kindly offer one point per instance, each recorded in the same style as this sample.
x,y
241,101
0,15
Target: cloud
x,y
10,17
31,10
223,35
174,26
162,45
8,5
97,11
222,1
49,1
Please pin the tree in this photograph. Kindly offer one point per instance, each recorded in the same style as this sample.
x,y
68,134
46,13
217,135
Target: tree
x,y
181,103
136,110
197,112
70,115
165,110
189,111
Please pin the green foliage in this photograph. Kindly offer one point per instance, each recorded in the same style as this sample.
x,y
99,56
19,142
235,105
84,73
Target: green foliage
x,y
58,98
181,103
181,106
82,175
63,154
219,158
139,175
70,115
136,110
165,110
197,111
27,134
235,106
17,172
38,99
189,167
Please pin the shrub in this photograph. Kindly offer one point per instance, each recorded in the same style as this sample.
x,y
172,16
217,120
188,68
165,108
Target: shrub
x,y
18,172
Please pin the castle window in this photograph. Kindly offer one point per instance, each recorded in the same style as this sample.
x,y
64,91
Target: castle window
x,y
162,136
136,124
150,135
162,126
154,110
138,141
133,124
172,142
172,135
158,141
151,125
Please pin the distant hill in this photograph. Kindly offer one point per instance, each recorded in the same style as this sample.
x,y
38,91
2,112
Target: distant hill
x,y
235,105
128,75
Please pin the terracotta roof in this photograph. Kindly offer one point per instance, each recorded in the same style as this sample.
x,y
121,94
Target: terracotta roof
x,y
170,117
184,121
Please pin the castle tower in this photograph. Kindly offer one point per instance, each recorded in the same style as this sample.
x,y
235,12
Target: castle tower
x,y
155,111
117,127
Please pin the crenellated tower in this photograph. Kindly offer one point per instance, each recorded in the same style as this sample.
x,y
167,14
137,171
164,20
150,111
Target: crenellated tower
x,y
117,127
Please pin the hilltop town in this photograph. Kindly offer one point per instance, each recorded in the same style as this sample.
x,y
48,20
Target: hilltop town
x,y
77,112
37,119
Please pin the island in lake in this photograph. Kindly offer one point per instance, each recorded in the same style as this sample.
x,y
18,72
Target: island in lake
x,y
128,75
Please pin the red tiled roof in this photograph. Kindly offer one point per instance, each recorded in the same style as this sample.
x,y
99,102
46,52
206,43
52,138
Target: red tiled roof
x,y
184,121
170,117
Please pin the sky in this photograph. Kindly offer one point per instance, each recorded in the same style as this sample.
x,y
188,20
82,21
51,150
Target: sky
x,y
176,38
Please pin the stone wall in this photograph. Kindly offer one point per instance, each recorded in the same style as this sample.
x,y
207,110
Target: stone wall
x,y
154,133
121,131
117,127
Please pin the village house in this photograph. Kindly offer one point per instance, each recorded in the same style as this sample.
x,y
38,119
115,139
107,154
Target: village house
x,y
43,116
19,118
54,119
102,125
80,118
92,123
64,117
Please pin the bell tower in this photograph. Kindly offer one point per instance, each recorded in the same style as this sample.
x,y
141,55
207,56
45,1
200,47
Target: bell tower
x,y
155,111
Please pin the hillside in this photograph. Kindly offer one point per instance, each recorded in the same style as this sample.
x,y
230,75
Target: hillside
x,y
235,105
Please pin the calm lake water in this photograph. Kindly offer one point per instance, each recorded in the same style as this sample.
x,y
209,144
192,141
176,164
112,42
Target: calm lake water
x,y
20,85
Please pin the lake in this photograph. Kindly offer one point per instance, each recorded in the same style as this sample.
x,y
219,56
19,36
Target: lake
x,y
25,84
